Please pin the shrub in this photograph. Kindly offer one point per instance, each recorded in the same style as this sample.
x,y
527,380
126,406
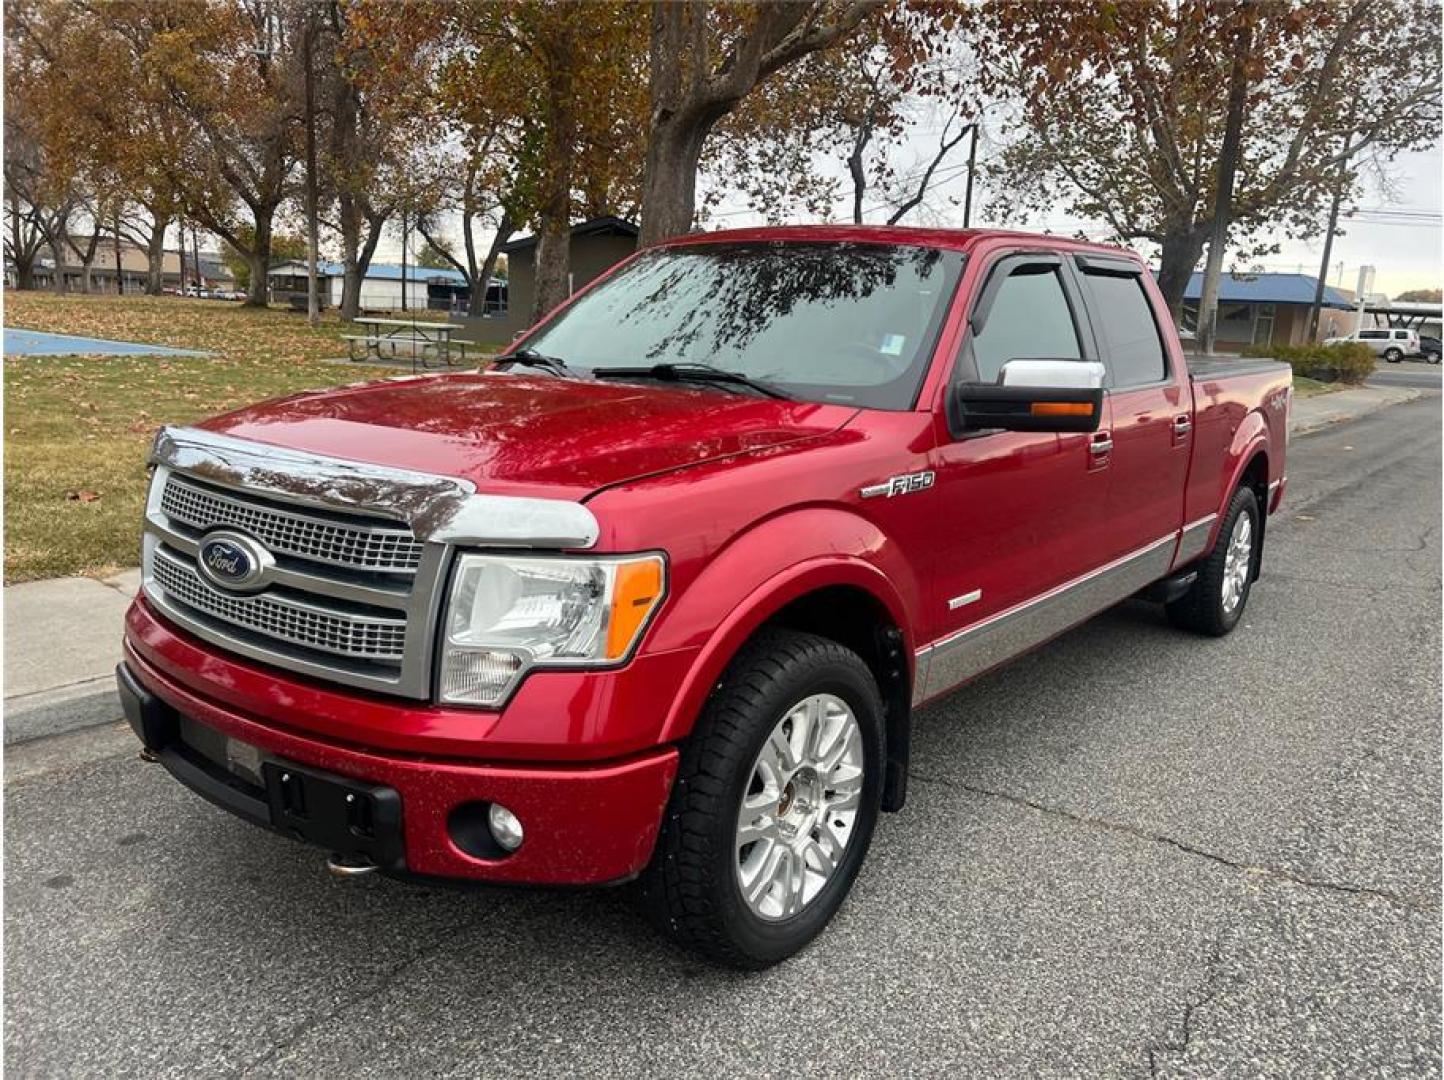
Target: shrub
x,y
1349,361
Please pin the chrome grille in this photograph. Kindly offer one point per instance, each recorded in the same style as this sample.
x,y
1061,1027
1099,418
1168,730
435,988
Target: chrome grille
x,y
310,626
287,532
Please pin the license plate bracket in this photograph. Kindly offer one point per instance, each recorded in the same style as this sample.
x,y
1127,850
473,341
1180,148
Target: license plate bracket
x,y
347,817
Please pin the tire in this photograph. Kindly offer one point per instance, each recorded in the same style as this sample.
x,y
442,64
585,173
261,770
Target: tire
x,y
1393,356
1431,358
1215,602
694,885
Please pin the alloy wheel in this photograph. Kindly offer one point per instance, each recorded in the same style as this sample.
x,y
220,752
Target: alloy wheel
x,y
1237,563
800,807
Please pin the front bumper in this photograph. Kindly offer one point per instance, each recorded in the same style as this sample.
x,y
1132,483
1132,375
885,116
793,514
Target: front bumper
x,y
584,825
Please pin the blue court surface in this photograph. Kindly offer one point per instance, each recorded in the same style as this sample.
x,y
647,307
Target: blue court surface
x,y
35,343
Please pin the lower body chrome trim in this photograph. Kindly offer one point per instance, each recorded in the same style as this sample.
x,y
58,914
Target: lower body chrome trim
x,y
1194,541
954,659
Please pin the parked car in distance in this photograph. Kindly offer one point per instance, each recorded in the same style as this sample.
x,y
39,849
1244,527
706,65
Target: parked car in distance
x,y
1429,348
659,594
1392,343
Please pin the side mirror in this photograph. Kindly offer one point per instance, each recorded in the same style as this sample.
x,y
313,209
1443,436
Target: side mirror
x,y
1032,395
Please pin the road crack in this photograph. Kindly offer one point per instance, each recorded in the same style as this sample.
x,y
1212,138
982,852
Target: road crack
x,y
1272,873
278,1051
1191,1006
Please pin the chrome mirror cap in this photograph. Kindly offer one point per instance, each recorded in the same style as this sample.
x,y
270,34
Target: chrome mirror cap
x,y
1060,374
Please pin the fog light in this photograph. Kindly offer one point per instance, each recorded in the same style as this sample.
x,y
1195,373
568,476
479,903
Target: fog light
x,y
505,827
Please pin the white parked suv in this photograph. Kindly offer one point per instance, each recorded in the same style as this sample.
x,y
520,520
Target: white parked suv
x,y
1392,343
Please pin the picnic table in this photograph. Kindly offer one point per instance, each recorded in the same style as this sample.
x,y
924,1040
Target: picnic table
x,y
418,336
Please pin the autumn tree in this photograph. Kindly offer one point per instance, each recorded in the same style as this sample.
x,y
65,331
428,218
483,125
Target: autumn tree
x,y
233,70
704,59
1123,109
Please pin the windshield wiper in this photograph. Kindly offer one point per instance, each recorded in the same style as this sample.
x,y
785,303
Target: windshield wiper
x,y
703,373
532,358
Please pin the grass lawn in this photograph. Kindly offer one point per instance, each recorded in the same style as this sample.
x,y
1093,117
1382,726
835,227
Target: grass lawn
x,y
77,429
1306,387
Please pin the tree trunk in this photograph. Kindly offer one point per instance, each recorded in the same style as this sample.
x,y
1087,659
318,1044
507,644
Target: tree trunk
x,y
57,280
357,255
1178,256
25,271
155,257
476,305
1223,196
669,184
553,261
259,258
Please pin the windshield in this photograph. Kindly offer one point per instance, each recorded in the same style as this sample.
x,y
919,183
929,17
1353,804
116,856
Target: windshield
x,y
848,323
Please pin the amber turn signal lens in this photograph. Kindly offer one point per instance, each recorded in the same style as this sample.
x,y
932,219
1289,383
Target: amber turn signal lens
x,y
1062,408
637,589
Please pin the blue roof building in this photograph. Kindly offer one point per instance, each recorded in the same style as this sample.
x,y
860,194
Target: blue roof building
x,y
381,289
1269,309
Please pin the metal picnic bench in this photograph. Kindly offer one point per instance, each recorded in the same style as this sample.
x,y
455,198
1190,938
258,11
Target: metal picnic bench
x,y
416,335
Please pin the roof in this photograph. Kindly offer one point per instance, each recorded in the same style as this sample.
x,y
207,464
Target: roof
x,y
1264,288
376,271
902,235
598,226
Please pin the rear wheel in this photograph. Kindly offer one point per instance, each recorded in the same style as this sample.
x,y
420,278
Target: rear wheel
x,y
1393,355
774,804
1214,603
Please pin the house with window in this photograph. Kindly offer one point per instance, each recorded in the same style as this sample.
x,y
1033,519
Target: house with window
x,y
1268,309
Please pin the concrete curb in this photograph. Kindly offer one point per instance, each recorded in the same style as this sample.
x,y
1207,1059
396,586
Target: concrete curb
x,y
63,709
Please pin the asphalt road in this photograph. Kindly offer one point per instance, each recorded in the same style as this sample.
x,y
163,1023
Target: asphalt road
x,y
1411,373
1130,852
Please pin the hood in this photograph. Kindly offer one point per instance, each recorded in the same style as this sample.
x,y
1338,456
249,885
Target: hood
x,y
530,435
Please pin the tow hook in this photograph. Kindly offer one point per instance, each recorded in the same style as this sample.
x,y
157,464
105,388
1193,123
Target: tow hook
x,y
349,866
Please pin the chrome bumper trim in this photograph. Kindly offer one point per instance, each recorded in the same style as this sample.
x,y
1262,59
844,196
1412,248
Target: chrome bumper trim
x,y
440,509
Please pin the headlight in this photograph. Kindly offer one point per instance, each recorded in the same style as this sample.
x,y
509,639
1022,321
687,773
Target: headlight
x,y
508,614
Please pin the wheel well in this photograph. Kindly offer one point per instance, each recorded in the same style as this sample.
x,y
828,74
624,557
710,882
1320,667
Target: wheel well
x,y
857,620
1256,478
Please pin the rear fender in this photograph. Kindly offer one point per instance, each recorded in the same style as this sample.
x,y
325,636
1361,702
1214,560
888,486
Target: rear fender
x,y
758,575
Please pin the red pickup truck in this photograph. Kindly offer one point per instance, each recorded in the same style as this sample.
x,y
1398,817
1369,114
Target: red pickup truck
x,y
657,595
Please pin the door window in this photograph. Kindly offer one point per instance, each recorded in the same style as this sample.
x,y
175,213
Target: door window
x,y
1372,335
1120,307
1029,320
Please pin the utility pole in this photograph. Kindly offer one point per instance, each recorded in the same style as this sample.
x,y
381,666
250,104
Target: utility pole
x,y
313,285
1333,223
195,250
403,258
1227,167
119,276
972,160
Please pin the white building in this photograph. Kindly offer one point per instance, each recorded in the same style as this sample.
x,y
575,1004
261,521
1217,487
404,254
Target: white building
x,y
381,289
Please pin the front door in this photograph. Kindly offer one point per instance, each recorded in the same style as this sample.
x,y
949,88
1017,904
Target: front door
x,y
1019,512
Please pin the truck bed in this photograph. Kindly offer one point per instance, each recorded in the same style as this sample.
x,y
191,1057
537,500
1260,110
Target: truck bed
x,y
1203,368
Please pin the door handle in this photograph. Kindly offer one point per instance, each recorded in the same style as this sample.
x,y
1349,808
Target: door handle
x,y
1182,425
1101,444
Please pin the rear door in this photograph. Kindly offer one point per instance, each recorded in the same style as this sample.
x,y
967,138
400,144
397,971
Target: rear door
x,y
1152,409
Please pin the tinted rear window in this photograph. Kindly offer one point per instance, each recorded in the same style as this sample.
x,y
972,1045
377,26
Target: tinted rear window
x,y
1132,349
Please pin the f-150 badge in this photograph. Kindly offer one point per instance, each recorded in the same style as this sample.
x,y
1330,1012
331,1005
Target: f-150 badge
x,y
899,485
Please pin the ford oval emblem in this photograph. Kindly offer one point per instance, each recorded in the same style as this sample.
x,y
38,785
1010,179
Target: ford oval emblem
x,y
233,561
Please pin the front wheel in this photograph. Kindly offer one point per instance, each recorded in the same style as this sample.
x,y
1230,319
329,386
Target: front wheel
x,y
1214,603
774,805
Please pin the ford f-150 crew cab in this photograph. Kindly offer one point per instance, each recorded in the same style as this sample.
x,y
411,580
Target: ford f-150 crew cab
x,y
657,595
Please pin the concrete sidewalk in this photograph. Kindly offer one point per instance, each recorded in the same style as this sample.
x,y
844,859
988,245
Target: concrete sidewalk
x,y
62,642
62,638
1313,413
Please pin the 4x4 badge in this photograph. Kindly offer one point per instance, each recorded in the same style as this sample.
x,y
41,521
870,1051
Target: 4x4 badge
x,y
899,485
